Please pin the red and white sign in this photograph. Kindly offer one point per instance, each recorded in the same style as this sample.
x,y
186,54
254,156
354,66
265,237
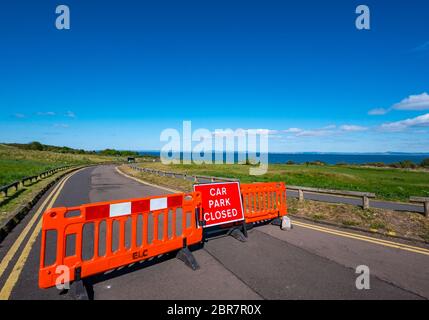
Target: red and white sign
x,y
221,202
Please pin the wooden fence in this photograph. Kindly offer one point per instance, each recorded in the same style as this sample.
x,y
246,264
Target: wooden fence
x,y
21,183
365,196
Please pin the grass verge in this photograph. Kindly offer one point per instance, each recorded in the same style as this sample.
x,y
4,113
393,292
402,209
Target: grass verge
x,y
16,163
388,184
403,224
173,183
9,205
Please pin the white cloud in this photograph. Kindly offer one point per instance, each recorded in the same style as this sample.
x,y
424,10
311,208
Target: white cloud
x,y
70,114
325,131
378,111
243,132
264,131
420,121
19,115
330,127
314,133
413,102
49,113
61,125
292,130
353,128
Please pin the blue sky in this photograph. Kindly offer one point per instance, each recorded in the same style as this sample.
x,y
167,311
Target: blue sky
x,y
126,70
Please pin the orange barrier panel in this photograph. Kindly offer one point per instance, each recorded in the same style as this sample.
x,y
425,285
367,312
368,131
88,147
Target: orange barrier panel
x,y
263,201
138,228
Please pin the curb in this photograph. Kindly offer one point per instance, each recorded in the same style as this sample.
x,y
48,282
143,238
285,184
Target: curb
x,y
369,231
147,183
23,210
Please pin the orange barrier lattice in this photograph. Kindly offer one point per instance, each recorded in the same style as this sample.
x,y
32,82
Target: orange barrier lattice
x,y
99,237
263,201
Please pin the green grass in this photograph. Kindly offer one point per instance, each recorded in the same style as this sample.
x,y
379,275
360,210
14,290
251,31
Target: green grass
x,y
10,204
318,216
390,184
349,223
16,163
12,170
378,225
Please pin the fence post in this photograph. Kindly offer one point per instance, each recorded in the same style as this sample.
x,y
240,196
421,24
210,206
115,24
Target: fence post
x,y
426,206
300,195
365,202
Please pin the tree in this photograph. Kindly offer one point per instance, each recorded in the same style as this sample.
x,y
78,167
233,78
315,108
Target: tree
x,y
35,145
117,153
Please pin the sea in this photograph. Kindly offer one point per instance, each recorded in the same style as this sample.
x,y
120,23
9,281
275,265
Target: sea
x,y
332,158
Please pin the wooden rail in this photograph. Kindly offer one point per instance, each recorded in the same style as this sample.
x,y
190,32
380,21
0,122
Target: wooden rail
x,y
364,195
21,183
301,190
425,201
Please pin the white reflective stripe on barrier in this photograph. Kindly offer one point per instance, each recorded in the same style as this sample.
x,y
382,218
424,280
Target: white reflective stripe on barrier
x,y
120,209
158,204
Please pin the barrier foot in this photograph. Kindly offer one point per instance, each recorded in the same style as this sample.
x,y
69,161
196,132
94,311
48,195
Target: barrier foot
x,y
284,223
78,289
244,228
188,258
237,234
277,222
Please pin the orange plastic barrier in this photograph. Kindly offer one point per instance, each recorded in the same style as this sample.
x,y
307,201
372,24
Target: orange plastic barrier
x,y
263,201
84,238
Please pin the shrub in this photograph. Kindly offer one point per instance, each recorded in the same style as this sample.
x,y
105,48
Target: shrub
x,y
407,164
376,164
395,165
425,163
316,163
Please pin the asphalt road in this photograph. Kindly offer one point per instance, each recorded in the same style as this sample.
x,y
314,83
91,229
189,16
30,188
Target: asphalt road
x,y
307,262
